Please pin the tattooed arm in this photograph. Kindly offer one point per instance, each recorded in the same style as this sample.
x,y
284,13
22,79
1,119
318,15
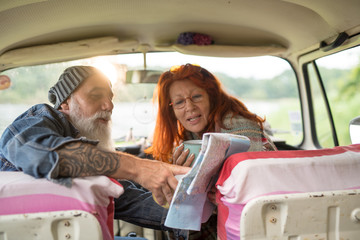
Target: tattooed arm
x,y
79,159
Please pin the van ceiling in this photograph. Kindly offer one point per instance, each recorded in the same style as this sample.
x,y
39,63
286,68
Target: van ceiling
x,y
289,26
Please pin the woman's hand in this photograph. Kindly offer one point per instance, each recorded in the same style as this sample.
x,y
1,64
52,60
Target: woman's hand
x,y
180,156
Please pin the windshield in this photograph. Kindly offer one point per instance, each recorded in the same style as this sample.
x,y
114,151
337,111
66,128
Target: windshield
x,y
267,85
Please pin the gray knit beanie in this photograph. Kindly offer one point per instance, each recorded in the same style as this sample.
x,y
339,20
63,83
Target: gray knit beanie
x,y
69,80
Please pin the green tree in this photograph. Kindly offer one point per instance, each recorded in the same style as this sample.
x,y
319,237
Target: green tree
x,y
352,86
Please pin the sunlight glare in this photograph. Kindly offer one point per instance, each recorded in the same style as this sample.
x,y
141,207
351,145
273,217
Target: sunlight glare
x,y
108,69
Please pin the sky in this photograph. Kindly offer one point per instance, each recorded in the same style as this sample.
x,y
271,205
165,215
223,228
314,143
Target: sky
x,y
343,60
235,67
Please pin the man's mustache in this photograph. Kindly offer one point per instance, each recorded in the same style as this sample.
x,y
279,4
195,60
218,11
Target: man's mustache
x,y
102,114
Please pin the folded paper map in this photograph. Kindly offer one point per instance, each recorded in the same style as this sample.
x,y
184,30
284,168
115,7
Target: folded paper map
x,y
190,207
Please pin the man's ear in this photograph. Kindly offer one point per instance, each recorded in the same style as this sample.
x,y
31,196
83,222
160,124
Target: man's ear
x,y
64,107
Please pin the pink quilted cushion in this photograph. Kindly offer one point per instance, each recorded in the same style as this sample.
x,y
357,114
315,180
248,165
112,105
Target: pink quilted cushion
x,y
21,193
248,175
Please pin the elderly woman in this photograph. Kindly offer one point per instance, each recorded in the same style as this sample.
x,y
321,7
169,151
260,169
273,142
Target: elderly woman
x,y
192,102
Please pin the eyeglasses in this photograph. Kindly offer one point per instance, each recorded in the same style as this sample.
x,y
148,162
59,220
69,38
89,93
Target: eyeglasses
x,y
180,103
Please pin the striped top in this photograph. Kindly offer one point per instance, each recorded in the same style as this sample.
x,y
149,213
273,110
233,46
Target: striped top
x,y
259,140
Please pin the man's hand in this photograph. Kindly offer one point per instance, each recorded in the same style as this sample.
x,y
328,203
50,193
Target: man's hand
x,y
159,178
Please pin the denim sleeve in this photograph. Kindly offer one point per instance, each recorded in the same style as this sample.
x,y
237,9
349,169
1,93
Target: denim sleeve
x,y
137,206
29,142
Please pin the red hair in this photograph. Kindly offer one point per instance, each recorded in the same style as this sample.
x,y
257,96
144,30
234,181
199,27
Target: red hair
x,y
168,130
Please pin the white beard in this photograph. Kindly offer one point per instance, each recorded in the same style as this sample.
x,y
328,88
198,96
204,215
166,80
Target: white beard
x,y
90,128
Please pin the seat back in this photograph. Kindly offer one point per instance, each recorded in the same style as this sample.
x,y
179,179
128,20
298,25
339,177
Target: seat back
x,y
25,195
318,215
249,176
74,225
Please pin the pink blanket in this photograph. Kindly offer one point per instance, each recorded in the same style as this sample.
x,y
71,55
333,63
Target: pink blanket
x,y
248,175
21,193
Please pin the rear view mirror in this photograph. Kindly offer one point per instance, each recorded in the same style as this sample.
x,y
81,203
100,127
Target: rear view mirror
x,y
142,76
354,129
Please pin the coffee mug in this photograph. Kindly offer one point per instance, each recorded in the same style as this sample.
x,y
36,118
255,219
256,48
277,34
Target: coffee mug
x,y
194,147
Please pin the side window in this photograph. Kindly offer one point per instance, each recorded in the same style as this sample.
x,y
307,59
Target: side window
x,y
29,86
339,74
321,117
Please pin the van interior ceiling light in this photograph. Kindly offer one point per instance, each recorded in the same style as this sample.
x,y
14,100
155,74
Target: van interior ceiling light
x,y
5,82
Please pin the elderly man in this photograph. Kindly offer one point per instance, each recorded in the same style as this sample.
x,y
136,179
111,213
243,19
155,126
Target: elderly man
x,y
73,139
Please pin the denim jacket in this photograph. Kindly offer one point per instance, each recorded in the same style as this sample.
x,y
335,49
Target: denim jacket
x,y
28,144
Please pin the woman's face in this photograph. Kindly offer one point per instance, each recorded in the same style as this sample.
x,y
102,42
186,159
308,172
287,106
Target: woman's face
x,y
191,105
